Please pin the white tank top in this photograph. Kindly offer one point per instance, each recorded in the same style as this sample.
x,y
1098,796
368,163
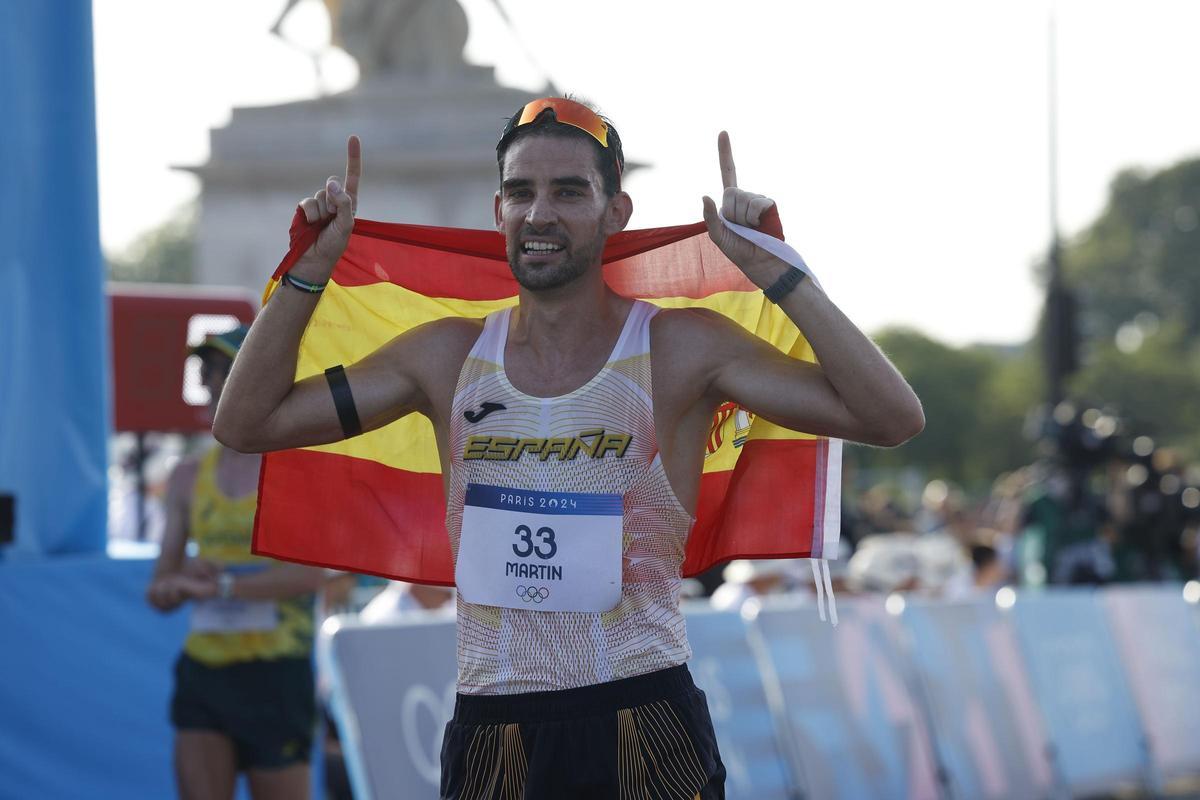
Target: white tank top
x,y
506,651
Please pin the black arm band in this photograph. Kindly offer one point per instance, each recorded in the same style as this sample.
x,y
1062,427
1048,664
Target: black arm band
x,y
343,401
788,281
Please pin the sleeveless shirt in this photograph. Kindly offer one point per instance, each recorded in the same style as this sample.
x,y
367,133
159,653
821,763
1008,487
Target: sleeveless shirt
x,y
547,444
222,528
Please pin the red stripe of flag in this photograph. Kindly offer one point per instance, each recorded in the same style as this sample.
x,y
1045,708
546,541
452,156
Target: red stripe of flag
x,y
355,514
678,261
761,509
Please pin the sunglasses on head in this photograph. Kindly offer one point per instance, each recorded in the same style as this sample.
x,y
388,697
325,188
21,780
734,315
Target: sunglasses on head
x,y
566,112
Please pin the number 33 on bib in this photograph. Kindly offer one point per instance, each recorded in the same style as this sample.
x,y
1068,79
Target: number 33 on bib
x,y
544,551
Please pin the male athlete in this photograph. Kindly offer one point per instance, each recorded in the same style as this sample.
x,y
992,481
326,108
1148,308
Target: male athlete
x,y
582,690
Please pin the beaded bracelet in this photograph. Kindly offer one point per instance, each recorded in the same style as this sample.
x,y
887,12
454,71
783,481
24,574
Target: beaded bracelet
x,y
303,285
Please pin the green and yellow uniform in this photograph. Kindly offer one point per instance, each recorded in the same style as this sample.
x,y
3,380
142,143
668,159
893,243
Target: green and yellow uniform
x,y
254,686
222,528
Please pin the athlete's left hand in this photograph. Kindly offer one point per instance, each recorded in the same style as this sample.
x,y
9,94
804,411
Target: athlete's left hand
x,y
743,208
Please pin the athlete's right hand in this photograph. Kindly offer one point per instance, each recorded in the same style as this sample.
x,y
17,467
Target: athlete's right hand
x,y
339,200
170,591
165,593
200,568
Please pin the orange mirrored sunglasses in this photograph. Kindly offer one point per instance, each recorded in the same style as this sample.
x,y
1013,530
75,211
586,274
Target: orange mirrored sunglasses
x,y
568,112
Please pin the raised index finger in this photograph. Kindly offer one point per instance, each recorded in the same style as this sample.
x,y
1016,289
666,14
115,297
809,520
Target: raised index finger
x,y
728,170
353,166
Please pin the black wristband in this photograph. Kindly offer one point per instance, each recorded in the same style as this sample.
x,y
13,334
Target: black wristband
x,y
788,281
343,401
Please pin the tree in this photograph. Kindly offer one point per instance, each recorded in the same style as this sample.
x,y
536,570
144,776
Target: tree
x,y
1155,388
162,255
1136,274
1142,255
975,402
1137,270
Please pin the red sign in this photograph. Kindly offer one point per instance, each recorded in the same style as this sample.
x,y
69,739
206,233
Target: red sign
x,y
155,388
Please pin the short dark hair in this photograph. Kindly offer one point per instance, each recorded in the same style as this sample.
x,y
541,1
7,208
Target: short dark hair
x,y
610,160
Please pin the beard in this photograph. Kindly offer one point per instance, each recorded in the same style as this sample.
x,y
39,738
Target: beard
x,y
573,262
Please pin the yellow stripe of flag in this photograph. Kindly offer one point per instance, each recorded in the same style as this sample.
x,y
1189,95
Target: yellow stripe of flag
x,y
352,322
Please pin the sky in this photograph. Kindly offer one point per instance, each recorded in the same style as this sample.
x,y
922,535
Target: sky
x,y
905,143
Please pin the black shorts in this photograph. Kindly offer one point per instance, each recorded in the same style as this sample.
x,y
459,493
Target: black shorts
x,y
648,736
267,708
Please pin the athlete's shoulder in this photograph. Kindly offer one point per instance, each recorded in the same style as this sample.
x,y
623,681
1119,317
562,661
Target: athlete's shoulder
x,y
692,316
182,479
692,345
687,346
689,328
188,466
440,338
433,353
452,331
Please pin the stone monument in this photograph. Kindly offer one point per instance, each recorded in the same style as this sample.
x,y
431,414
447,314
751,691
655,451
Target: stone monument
x,y
428,122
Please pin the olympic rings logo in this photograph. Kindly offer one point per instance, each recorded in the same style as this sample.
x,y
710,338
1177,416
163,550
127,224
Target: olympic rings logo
x,y
533,594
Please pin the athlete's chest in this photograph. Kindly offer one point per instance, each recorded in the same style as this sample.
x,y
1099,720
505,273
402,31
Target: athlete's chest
x,y
567,374
606,421
610,418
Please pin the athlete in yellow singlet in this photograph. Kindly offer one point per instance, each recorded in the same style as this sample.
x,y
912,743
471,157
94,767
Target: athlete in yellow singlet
x,y
243,698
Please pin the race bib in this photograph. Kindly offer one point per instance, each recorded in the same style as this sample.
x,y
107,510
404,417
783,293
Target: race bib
x,y
219,615
233,616
545,551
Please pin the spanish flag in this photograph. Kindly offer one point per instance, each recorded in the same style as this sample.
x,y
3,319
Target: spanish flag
x,y
375,503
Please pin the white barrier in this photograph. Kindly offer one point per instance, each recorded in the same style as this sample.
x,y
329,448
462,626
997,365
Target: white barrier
x,y
849,709
392,692
990,738
1158,639
1071,660
933,700
727,671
